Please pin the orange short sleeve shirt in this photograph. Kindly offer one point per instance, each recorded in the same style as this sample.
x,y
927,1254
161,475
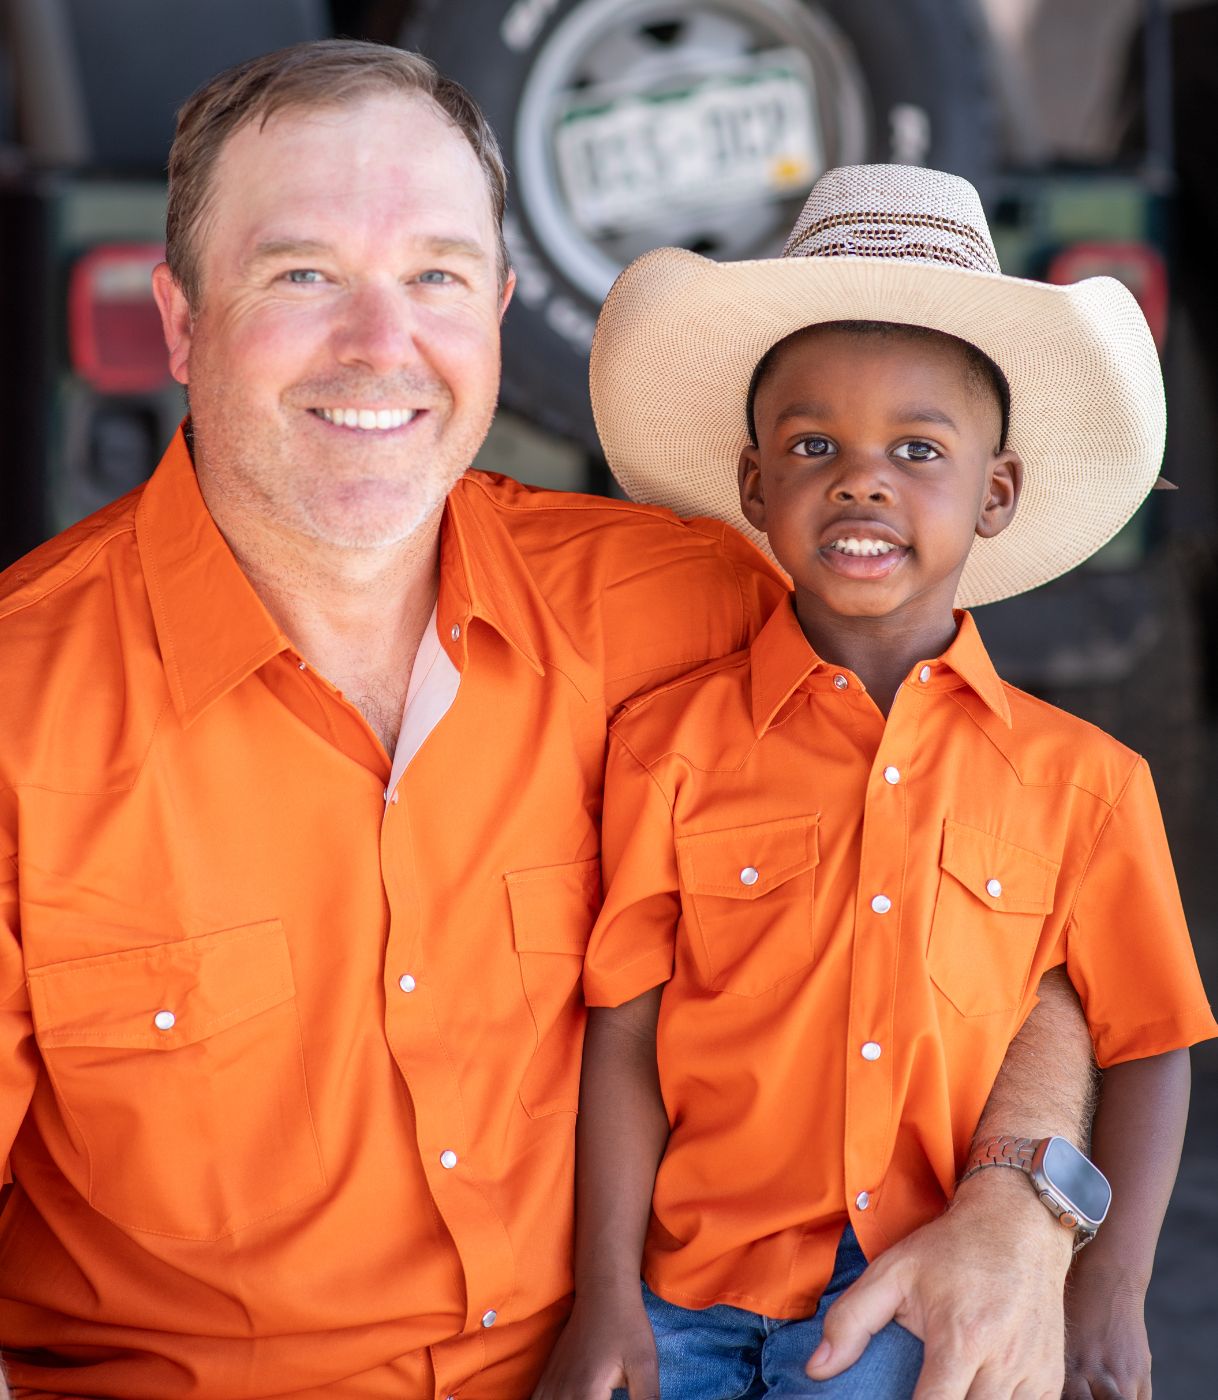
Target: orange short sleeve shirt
x,y
288,1074
852,917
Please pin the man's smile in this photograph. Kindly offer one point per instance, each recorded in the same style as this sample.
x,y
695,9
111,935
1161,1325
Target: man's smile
x,y
367,419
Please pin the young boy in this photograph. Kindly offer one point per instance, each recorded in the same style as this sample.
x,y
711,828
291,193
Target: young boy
x,y
840,864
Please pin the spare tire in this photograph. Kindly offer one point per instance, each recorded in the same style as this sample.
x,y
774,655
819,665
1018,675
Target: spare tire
x,y
631,124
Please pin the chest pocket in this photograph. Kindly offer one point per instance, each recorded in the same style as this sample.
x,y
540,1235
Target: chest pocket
x,y
181,1068
749,900
553,910
992,902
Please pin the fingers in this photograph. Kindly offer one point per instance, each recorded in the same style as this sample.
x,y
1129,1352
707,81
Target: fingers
x,y
864,1309
643,1376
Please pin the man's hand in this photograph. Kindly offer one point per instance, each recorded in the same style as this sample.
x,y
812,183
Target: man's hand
x,y
607,1344
981,1286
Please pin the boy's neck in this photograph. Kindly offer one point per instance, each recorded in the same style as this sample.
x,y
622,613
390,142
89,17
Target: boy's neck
x,y
879,650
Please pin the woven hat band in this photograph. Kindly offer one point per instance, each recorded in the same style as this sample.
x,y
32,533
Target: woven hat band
x,y
931,238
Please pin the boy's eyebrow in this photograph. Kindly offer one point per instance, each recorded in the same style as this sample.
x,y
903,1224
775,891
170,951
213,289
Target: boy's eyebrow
x,y
916,413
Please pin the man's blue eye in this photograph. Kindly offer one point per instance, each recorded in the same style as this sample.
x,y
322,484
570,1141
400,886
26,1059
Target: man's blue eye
x,y
304,274
433,276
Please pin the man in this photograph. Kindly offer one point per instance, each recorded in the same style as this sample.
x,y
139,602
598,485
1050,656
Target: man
x,y
301,756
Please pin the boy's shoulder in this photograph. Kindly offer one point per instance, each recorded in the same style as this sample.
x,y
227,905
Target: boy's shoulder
x,y
705,716
1048,747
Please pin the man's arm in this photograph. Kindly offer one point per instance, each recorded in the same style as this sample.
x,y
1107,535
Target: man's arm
x,y
1135,1141
982,1286
621,1135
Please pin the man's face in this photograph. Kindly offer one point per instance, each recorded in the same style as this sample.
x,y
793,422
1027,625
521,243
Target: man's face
x,y
343,363
876,465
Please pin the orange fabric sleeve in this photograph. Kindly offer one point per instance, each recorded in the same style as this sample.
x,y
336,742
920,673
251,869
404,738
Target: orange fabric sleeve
x,y
18,1053
631,948
1129,953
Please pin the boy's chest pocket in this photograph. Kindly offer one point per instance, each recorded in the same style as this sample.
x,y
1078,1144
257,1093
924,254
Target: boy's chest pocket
x,y
181,1068
992,901
747,895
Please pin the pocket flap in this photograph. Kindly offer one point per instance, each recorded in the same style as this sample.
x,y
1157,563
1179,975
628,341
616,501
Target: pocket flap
x,y
207,984
1025,882
554,906
720,862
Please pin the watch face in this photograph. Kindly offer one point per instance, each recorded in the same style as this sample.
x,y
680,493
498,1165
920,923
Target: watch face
x,y
1073,1177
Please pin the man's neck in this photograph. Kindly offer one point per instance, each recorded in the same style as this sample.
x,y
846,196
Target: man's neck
x,y
357,616
879,650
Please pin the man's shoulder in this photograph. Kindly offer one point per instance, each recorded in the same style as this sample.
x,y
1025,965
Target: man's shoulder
x,y
52,576
1049,747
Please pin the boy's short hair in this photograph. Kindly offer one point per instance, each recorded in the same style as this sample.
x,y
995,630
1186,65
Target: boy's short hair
x,y
321,73
983,370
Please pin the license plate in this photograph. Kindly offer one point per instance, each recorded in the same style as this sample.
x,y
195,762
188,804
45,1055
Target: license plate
x,y
726,140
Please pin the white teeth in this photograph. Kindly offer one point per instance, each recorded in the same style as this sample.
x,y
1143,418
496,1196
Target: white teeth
x,y
867,549
367,419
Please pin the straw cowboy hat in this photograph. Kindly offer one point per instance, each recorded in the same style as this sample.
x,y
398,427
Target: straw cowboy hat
x,y
679,337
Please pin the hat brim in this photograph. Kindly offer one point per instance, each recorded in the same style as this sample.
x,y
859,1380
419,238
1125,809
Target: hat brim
x,y
679,337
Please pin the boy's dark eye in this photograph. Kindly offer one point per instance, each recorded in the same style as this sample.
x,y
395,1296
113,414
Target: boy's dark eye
x,y
813,447
917,451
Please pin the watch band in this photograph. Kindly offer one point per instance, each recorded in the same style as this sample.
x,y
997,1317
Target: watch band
x,y
1017,1152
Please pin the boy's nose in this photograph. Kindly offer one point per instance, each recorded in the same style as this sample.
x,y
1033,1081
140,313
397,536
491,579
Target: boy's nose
x,y
861,479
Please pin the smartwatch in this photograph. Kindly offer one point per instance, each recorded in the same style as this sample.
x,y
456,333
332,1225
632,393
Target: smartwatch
x,y
1074,1189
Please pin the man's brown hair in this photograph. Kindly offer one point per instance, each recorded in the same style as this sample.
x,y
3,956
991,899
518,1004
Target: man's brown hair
x,y
324,73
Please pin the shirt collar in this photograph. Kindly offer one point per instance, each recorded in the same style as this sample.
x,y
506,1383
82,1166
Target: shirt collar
x,y
782,659
212,627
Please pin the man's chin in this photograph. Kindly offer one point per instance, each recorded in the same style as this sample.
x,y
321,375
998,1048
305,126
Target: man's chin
x,y
373,517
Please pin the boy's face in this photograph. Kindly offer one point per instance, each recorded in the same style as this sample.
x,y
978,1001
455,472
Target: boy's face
x,y
877,463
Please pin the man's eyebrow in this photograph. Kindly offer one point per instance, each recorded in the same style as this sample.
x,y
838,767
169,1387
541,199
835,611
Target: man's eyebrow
x,y
439,246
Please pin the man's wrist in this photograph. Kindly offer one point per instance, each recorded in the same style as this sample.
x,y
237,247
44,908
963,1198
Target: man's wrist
x,y
1009,1199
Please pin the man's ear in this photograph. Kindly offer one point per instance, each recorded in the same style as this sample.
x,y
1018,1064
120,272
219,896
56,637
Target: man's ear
x,y
508,288
1004,482
752,498
176,320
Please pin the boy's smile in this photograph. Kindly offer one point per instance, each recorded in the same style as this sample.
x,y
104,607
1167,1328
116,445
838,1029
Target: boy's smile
x,y
877,463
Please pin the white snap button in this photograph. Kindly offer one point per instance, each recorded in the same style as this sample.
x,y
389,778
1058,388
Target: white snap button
x,y
993,888
448,1159
748,876
302,665
871,1051
924,674
407,982
881,904
862,1200
841,682
164,1020
456,632
892,775
489,1317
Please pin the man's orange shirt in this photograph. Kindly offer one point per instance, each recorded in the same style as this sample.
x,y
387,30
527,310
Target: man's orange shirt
x,y
854,915
352,1140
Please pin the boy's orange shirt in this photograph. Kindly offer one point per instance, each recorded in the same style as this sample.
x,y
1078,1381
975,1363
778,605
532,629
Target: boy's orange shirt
x,y
852,917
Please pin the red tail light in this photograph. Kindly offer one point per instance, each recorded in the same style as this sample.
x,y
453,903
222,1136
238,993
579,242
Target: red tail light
x,y
114,328
1138,265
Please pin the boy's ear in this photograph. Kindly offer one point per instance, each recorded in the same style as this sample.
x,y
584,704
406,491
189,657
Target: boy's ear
x,y
1004,482
752,500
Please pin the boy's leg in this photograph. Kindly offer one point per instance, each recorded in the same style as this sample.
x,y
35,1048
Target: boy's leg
x,y
887,1370
705,1353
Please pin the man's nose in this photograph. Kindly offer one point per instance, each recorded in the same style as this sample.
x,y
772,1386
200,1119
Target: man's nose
x,y
375,330
862,477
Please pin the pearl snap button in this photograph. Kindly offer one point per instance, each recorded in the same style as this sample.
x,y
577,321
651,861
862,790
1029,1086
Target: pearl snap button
x,y
448,1159
456,632
164,1020
862,1200
871,1051
748,876
841,682
881,904
993,888
924,674
407,982
892,775
489,1318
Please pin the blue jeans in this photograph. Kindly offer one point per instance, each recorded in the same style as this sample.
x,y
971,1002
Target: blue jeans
x,y
726,1353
